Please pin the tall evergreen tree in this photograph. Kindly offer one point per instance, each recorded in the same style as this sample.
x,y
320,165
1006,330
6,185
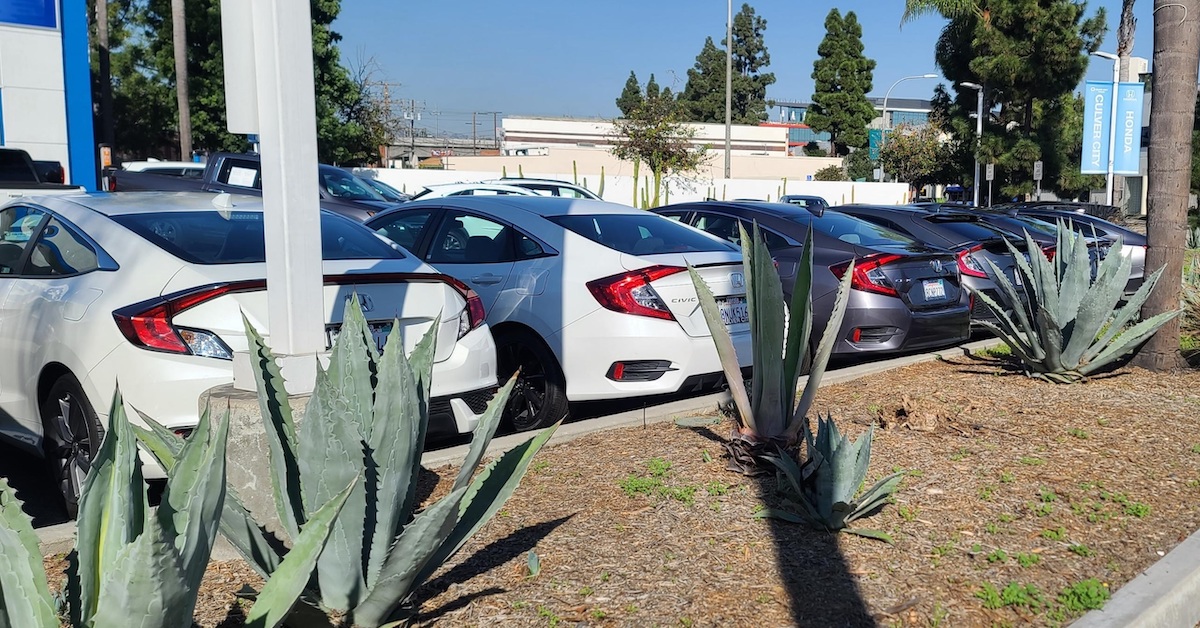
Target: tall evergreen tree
x,y
631,95
842,76
703,96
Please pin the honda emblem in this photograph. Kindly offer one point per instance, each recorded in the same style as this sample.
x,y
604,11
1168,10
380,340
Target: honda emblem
x,y
937,266
737,280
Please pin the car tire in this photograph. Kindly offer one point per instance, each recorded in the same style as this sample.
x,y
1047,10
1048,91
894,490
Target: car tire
x,y
72,437
540,395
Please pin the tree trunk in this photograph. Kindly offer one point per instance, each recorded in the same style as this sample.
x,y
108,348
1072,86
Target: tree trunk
x,y
105,78
1173,103
179,37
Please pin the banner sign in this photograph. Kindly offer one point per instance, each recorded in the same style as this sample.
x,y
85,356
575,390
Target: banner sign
x,y
42,13
1097,112
874,141
1128,134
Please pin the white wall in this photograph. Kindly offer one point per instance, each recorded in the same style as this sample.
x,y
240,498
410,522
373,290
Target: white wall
x,y
31,86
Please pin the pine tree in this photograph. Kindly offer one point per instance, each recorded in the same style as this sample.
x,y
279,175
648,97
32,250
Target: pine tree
x,y
631,96
652,89
842,76
703,96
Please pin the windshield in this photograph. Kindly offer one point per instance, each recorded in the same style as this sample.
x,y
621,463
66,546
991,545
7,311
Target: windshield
x,y
387,191
641,234
967,228
342,184
852,229
208,237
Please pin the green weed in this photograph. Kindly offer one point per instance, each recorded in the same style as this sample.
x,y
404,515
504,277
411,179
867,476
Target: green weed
x,y
658,467
1078,433
634,485
907,513
1028,559
1008,477
1137,509
1084,595
998,556
985,493
1057,534
1031,461
1082,550
716,488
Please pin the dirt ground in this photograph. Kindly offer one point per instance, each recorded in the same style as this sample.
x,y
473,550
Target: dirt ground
x,y
1018,494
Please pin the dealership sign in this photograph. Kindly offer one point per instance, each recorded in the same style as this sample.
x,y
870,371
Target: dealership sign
x,y
1128,134
42,13
1098,131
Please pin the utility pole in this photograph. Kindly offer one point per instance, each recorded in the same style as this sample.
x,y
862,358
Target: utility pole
x,y
106,121
412,114
474,139
496,129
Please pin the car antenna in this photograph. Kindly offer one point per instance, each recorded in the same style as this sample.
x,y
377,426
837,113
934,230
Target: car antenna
x,y
223,202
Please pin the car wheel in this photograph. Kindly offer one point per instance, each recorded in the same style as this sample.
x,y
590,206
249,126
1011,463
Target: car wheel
x,y
539,397
166,229
456,240
72,438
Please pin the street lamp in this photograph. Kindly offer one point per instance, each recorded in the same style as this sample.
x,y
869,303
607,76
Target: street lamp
x,y
978,130
1112,126
886,126
728,84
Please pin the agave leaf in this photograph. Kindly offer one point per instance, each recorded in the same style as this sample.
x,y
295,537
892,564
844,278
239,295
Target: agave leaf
x,y
25,598
395,447
1076,273
876,495
331,457
799,329
1123,316
352,363
1015,344
764,298
1129,340
1052,340
878,535
829,337
780,514
1008,293
789,470
112,510
280,432
195,493
725,350
415,552
144,586
483,434
1095,309
287,582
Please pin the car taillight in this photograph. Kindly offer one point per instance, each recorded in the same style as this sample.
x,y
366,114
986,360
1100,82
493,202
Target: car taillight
x,y
631,292
967,264
150,325
1050,250
868,274
473,315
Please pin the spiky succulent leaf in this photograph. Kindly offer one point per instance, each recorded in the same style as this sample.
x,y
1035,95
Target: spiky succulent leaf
x,y
1095,310
878,535
484,431
875,496
352,363
824,350
1075,274
280,431
725,351
288,581
195,493
799,327
764,301
25,598
112,510
1128,340
1128,312
144,586
1023,327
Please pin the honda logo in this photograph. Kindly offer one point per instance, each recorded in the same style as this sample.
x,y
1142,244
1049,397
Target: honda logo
x,y
937,266
364,301
737,280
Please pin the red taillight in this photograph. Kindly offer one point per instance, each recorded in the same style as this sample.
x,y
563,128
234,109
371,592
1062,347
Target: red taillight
x,y
1050,250
967,264
475,312
631,293
867,274
149,324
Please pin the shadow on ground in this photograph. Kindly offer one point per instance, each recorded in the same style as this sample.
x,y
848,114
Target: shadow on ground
x,y
30,476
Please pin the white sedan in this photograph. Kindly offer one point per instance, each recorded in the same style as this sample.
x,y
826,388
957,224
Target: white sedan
x,y
147,290
591,300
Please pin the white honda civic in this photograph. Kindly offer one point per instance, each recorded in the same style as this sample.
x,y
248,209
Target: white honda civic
x,y
147,290
590,300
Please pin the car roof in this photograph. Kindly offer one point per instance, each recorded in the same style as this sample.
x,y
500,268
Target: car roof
x,y
545,206
437,187
778,210
122,203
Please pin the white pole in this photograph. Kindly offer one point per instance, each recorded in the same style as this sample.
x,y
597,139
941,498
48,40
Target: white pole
x,y
291,209
728,88
978,140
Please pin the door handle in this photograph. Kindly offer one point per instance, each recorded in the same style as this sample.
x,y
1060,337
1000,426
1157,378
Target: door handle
x,y
487,279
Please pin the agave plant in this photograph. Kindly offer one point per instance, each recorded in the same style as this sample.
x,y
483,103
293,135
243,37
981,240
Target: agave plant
x,y
134,567
768,415
367,418
1070,325
823,491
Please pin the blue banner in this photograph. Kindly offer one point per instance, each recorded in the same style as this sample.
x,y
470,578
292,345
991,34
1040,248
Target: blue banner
x,y
1097,112
30,12
1128,134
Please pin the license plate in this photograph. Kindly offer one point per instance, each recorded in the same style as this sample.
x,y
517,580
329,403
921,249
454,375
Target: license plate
x,y
1017,277
734,310
934,289
379,333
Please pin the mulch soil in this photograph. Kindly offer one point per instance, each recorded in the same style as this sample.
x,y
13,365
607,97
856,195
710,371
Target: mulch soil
x,y
1014,486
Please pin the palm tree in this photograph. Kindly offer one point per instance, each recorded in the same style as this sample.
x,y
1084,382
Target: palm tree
x,y
1173,97
949,9
179,39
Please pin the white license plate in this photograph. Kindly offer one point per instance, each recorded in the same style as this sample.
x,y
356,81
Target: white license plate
x,y
734,310
934,289
1017,277
379,333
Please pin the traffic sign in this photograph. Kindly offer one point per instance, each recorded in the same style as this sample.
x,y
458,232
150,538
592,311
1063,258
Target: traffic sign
x,y
1037,170
991,172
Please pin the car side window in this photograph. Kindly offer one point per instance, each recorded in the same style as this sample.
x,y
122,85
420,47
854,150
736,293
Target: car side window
x,y
774,240
724,227
676,216
527,247
468,239
17,227
242,173
405,228
60,251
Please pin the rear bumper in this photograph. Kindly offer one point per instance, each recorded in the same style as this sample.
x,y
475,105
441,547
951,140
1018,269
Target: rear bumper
x,y
887,325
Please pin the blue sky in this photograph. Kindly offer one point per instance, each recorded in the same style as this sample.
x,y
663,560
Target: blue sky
x,y
558,58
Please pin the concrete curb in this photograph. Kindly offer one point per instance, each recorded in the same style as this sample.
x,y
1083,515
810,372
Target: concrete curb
x,y
1166,595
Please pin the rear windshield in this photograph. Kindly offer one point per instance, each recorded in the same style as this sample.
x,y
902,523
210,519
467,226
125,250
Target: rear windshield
x,y
342,184
641,234
968,229
852,229
207,237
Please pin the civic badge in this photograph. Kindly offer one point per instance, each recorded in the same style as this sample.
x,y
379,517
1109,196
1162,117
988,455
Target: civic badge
x,y
738,280
937,266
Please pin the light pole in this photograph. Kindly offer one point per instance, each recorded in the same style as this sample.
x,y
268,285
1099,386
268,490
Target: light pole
x,y
728,85
1112,122
886,126
978,131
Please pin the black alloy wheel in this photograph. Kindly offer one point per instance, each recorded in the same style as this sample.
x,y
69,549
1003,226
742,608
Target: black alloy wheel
x,y
72,437
539,397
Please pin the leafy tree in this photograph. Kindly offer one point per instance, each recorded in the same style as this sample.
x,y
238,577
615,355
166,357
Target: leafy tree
x,y
842,76
813,149
859,166
631,96
703,96
1028,56
655,134
830,173
913,154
